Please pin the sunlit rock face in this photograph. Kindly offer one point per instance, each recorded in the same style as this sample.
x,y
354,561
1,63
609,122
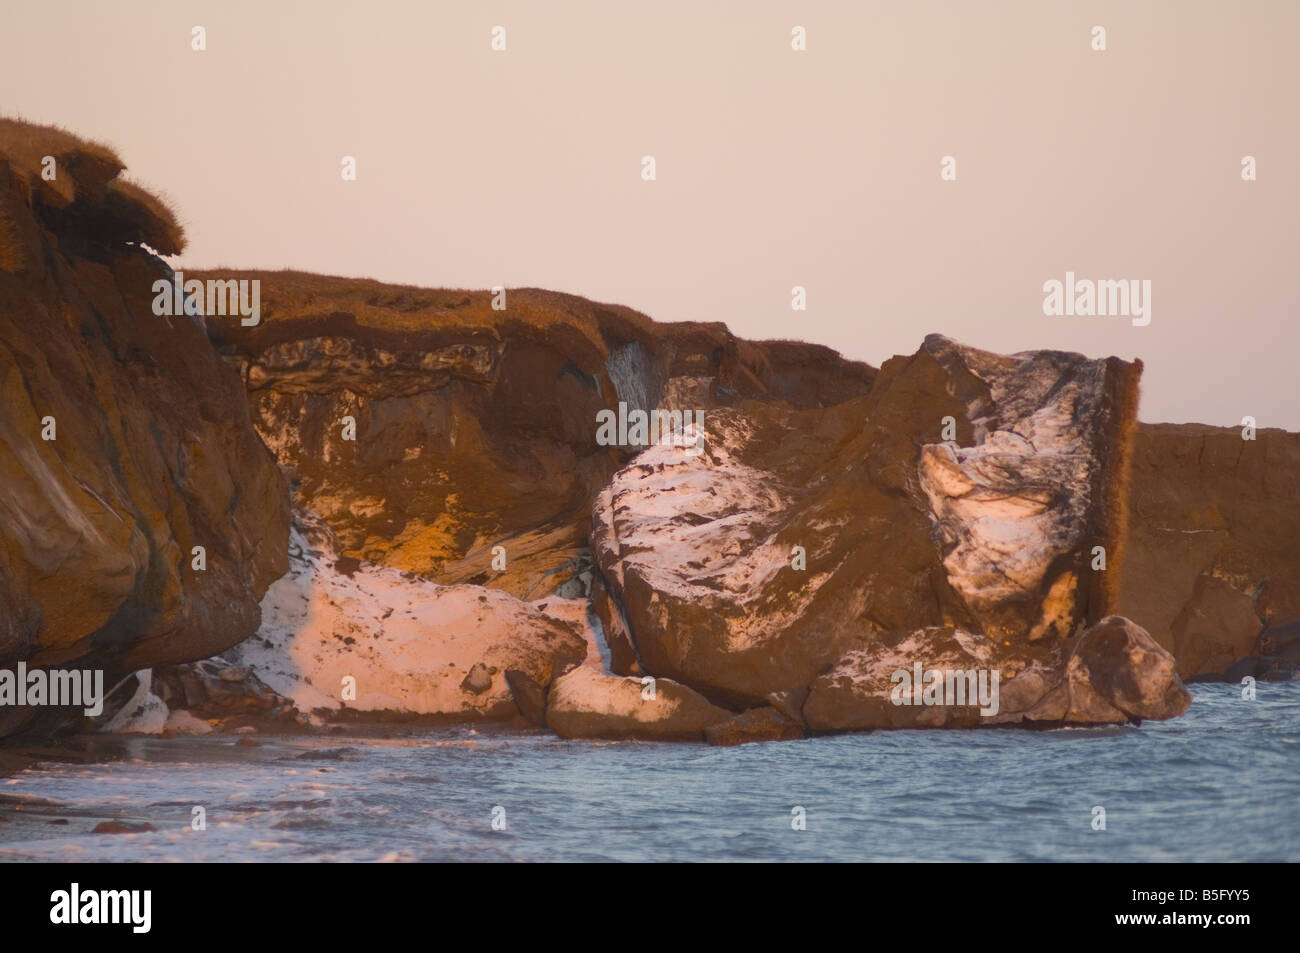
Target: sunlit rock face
x,y
589,704
1113,672
802,544
1019,511
475,427
152,452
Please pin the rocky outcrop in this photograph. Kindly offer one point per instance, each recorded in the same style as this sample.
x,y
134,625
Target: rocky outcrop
x,y
1114,672
216,690
1212,542
475,448
802,540
125,440
195,698
476,428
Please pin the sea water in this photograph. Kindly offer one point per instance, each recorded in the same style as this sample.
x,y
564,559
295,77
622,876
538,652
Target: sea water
x,y
1218,784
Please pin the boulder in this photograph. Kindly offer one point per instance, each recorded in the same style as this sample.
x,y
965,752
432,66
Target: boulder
x,y
862,690
1280,639
478,680
1113,672
215,689
1118,672
586,703
754,724
1263,668
529,695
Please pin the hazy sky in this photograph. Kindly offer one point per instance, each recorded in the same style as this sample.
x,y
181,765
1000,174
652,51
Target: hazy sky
x,y
775,168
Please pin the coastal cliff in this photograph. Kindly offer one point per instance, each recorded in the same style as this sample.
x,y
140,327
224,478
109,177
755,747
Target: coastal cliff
x,y
383,501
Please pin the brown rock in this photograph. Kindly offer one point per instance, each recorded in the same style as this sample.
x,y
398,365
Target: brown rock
x,y
529,695
859,691
1280,640
477,427
1114,672
121,827
478,680
755,724
1277,600
790,703
1118,672
991,533
214,688
1205,502
1215,628
1263,668
588,704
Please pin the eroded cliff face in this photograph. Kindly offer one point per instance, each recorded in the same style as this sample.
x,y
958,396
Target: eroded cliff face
x,y
811,554
1213,565
125,440
468,546
826,519
474,427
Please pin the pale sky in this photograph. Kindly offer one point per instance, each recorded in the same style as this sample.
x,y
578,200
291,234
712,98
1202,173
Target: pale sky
x,y
775,168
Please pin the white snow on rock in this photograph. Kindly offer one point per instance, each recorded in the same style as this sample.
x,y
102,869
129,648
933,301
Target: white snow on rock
x,y
408,642
143,714
700,527
1008,507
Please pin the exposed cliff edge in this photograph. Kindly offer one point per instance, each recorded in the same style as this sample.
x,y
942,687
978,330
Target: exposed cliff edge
x,y
125,440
